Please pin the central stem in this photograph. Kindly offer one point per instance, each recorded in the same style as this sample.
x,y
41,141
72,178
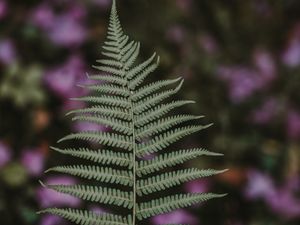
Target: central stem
x,y
133,158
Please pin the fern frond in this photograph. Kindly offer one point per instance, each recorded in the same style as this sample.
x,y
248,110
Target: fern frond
x,y
102,174
116,112
104,138
139,68
158,112
107,89
104,157
171,179
112,55
131,55
163,124
171,159
83,217
96,194
137,115
164,140
109,62
141,77
153,100
109,79
105,100
110,70
170,203
150,88
115,124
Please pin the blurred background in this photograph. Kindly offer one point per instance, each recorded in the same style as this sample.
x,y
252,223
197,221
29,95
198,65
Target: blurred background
x,y
240,61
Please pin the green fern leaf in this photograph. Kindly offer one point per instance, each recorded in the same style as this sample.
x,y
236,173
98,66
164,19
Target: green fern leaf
x,y
158,112
115,112
170,203
107,175
104,157
171,179
137,114
83,217
166,139
151,88
170,159
104,138
96,194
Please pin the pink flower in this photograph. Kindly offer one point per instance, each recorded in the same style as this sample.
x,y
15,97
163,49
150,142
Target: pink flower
x,y
65,29
5,154
293,124
259,185
265,64
282,200
51,198
33,160
64,78
43,16
3,9
67,32
177,217
266,112
291,54
52,220
243,82
7,52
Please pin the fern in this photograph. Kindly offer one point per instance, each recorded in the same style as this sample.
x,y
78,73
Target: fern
x,y
137,115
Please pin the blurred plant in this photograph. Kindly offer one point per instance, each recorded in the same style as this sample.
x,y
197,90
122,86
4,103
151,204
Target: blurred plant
x,y
22,85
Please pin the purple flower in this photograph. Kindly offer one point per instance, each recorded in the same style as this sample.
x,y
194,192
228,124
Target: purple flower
x,y
293,124
7,51
64,78
43,16
265,64
3,9
284,201
67,32
52,220
243,82
33,161
291,54
266,112
259,185
65,29
51,198
177,217
5,154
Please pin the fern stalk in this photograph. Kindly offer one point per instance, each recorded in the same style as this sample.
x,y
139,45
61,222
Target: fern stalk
x,y
137,115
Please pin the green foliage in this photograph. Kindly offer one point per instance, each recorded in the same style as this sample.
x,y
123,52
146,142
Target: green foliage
x,y
136,115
